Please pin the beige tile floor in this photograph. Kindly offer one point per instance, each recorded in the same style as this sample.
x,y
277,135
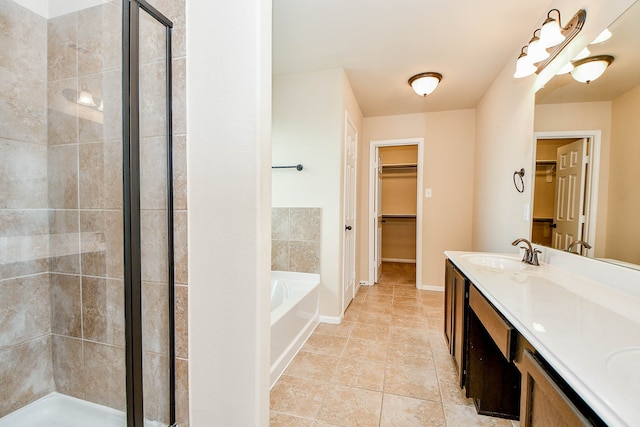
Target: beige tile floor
x,y
386,365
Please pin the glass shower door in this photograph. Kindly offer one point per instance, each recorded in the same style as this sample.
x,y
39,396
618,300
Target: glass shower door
x,y
155,218
151,277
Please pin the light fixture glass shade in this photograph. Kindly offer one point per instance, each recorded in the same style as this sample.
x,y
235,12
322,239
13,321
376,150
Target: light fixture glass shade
x,y
536,51
602,37
86,98
567,68
550,33
524,66
589,69
425,83
583,54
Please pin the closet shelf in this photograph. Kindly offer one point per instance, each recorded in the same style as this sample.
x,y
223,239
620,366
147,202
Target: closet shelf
x,y
546,162
542,219
398,166
398,215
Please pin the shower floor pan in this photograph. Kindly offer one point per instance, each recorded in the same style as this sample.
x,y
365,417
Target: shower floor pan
x,y
59,410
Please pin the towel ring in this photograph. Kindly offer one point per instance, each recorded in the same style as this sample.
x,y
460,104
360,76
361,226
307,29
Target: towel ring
x,y
520,174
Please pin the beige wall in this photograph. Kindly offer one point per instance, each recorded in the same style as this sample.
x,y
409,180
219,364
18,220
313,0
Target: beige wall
x,y
623,234
504,137
308,128
448,171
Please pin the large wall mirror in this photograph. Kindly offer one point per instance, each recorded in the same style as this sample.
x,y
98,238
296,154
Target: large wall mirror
x,y
593,128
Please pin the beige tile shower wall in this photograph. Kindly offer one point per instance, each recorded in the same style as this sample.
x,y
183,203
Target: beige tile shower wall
x,y
25,321
295,239
85,205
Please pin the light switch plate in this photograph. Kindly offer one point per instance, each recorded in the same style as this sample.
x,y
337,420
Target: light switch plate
x,y
428,193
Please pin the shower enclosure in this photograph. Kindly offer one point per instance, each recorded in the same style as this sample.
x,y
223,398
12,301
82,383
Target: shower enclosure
x,y
86,207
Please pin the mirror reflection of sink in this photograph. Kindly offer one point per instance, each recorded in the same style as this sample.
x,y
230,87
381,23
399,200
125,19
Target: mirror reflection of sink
x,y
498,262
624,367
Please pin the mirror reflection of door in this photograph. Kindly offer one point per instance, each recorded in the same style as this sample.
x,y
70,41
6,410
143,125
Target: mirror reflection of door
x,y
560,192
378,207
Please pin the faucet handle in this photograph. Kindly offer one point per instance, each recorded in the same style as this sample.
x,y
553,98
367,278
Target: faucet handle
x,y
526,256
534,256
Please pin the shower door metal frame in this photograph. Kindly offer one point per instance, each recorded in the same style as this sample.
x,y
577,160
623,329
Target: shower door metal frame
x,y
131,209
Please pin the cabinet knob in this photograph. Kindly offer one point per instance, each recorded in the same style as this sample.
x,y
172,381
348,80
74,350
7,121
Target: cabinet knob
x,y
348,227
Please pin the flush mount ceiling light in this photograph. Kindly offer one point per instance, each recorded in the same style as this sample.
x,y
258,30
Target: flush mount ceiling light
x,y
544,48
589,69
425,83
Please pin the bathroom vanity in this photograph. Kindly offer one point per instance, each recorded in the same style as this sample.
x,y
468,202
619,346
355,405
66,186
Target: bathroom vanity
x,y
555,344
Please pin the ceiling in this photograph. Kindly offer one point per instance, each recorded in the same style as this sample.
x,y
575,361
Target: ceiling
x,y
381,43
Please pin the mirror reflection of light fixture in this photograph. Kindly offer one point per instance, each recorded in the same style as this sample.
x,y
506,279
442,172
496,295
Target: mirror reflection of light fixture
x,y
550,33
582,54
425,83
589,69
552,40
85,97
602,37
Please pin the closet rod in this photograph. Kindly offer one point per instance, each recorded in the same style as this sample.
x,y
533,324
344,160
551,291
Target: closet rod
x,y
297,167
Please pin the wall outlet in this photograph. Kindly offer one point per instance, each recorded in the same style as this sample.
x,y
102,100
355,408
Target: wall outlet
x,y
428,193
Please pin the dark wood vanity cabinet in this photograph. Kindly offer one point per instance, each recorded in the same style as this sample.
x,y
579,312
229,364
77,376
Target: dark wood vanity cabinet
x,y
492,380
455,316
499,369
543,402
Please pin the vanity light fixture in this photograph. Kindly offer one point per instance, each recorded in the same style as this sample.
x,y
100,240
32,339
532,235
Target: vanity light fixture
x,y
551,31
536,51
553,38
524,66
425,83
589,69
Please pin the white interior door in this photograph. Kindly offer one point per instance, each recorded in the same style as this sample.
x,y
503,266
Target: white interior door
x,y
349,208
569,215
378,219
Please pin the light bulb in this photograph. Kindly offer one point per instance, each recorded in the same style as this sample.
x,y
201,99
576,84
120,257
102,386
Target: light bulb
x,y
550,33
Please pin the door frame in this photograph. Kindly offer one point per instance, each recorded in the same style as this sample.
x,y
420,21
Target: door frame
x,y
373,168
356,285
593,177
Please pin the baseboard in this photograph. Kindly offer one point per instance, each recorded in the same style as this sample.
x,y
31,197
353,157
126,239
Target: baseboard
x,y
365,283
402,260
431,288
334,320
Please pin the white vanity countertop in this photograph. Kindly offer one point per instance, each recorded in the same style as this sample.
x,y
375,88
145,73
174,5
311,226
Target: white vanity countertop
x,y
587,331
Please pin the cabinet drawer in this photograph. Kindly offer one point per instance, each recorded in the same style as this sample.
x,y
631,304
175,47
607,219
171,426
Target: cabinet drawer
x,y
500,330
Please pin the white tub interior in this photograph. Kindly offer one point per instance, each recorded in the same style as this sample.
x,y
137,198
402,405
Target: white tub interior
x,y
295,310
59,410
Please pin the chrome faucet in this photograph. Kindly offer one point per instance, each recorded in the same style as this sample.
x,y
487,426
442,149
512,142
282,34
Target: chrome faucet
x,y
530,254
576,243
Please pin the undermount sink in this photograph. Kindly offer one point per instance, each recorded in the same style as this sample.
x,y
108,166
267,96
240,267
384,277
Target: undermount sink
x,y
624,366
498,262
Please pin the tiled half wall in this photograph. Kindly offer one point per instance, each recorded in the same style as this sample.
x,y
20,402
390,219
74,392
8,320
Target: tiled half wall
x,y
295,239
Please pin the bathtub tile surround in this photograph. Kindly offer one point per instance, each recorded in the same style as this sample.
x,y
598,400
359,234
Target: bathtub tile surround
x,y
61,246
295,239
386,364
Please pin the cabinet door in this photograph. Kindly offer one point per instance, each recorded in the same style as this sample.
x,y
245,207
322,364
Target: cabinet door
x,y
542,401
460,295
448,304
